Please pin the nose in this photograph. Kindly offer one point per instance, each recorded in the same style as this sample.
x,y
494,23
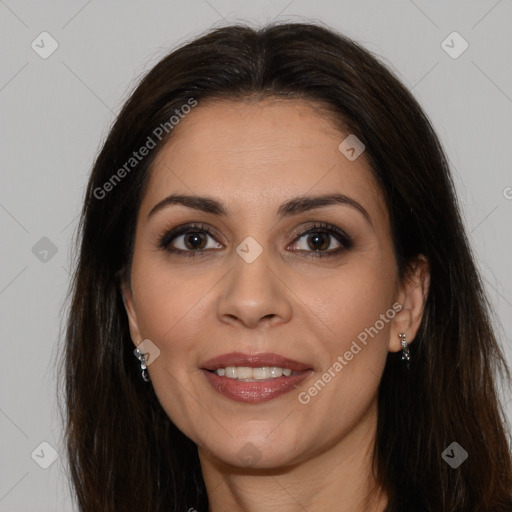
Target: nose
x,y
254,294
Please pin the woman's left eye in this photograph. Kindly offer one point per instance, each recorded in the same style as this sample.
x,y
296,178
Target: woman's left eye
x,y
191,240
319,239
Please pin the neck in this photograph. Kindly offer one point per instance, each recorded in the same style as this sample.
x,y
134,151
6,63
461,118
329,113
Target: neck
x,y
339,478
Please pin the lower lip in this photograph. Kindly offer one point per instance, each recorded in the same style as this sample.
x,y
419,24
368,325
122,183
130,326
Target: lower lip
x,y
254,392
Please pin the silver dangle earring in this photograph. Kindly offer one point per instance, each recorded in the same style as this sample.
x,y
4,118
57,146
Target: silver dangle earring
x,y
406,355
142,358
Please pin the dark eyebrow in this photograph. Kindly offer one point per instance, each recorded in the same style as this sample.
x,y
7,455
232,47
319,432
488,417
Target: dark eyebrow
x,y
291,207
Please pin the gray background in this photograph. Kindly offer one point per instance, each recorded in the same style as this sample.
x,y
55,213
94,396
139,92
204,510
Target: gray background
x,y
56,111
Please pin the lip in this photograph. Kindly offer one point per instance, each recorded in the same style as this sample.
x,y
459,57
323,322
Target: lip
x,y
254,361
254,392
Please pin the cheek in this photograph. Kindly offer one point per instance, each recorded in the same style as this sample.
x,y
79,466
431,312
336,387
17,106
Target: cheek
x,y
356,313
171,308
351,299
354,356
171,305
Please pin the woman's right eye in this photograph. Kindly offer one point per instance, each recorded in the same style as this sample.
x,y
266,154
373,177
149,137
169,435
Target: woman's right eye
x,y
189,240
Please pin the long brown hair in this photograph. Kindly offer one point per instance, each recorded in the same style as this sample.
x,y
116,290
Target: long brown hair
x,y
124,453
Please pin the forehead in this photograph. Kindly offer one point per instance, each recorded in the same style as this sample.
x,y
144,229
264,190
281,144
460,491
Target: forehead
x,y
258,154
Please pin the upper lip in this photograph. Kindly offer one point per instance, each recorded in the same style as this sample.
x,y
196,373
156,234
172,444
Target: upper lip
x,y
254,361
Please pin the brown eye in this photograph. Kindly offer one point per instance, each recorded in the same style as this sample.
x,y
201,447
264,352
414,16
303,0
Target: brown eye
x,y
189,240
194,240
324,240
318,241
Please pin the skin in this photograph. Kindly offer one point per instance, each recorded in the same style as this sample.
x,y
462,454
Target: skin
x,y
252,156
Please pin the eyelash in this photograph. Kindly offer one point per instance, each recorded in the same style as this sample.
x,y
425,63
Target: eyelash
x,y
320,227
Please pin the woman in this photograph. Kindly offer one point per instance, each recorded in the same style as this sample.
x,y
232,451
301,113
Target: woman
x,y
272,230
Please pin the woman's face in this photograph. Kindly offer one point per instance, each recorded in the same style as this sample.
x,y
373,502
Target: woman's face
x,y
269,277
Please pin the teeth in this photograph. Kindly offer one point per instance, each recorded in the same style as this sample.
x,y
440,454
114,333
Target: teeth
x,y
260,373
231,372
275,371
248,374
242,372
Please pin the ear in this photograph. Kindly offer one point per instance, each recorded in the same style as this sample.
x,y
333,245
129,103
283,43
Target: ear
x,y
412,295
127,294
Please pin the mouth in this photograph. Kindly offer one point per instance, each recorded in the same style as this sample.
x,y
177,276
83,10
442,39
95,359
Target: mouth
x,y
248,374
254,378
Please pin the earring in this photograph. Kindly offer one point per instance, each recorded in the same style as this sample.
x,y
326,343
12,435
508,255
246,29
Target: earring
x,y
142,358
406,355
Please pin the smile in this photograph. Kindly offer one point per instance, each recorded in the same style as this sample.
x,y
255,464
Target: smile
x,y
248,374
254,378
